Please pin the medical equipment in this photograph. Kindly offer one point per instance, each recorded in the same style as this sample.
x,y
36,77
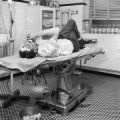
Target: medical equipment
x,y
66,97
15,63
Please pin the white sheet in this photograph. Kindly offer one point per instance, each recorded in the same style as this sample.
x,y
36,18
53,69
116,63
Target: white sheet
x,y
23,64
83,52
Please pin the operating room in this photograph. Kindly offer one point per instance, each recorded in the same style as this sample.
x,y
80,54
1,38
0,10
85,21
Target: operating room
x,y
59,59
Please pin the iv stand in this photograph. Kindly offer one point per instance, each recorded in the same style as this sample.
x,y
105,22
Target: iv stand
x,y
11,24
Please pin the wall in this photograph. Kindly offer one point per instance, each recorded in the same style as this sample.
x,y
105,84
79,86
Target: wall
x,y
19,18
4,16
20,14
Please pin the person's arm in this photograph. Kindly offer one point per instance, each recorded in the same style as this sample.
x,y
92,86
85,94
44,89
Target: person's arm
x,y
53,31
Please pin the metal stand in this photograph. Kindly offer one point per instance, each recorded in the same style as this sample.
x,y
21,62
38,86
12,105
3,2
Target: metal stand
x,y
9,98
67,94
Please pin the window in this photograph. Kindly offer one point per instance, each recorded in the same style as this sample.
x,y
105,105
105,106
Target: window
x,y
114,9
104,9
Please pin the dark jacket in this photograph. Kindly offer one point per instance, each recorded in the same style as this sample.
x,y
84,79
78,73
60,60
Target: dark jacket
x,y
70,31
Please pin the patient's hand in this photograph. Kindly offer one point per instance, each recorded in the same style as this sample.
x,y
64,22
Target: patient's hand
x,y
31,37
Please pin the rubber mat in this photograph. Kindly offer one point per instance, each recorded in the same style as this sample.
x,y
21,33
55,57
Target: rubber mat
x,y
102,104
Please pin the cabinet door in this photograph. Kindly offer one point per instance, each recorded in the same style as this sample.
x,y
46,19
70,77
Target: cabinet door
x,y
47,21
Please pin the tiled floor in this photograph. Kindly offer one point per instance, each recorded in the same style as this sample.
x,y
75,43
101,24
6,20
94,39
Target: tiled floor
x,y
102,104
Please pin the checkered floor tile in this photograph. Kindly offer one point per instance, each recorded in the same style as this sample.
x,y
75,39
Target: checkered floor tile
x,y
102,104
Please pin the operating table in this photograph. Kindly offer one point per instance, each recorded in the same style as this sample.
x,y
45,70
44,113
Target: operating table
x,y
64,98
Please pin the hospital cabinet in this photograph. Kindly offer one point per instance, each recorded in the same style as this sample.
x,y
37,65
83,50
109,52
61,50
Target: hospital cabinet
x,y
62,16
40,18
77,12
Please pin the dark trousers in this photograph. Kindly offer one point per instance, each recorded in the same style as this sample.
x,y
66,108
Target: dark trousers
x,y
70,31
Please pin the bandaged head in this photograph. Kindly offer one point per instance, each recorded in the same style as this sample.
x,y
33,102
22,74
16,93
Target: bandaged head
x,y
28,50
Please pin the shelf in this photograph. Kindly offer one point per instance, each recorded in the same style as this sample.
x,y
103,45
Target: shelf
x,y
43,28
47,17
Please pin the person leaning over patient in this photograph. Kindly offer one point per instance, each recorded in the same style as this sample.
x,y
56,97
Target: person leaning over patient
x,y
62,42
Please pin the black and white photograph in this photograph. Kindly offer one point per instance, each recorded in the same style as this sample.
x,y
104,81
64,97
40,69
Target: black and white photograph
x,y
59,59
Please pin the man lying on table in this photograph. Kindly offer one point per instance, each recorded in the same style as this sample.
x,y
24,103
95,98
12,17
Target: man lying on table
x,y
62,42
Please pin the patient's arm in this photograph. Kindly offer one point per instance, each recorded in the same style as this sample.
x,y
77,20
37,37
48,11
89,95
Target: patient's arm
x,y
52,31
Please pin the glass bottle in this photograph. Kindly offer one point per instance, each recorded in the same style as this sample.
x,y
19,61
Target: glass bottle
x,y
100,29
112,29
108,30
104,29
118,28
95,28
